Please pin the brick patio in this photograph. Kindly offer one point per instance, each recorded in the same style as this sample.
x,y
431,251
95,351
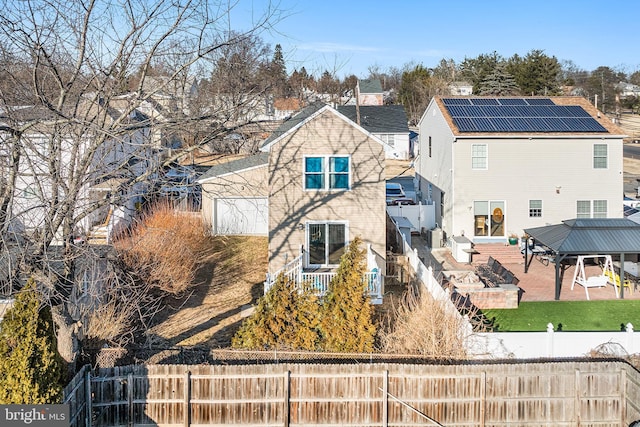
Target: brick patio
x,y
538,284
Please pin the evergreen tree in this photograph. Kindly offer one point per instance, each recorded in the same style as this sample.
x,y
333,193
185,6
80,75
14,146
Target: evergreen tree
x,y
347,324
475,70
536,73
499,83
285,318
30,368
279,73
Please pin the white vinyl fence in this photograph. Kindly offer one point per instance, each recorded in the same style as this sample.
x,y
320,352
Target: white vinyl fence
x,y
527,345
421,216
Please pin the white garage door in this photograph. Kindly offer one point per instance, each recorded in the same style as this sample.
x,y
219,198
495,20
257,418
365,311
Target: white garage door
x,y
242,216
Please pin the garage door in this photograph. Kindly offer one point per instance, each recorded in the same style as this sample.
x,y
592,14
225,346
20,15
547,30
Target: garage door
x,y
241,216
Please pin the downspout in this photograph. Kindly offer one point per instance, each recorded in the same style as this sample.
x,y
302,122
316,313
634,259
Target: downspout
x,y
358,104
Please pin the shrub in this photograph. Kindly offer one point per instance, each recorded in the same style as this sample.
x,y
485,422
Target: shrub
x,y
423,325
347,322
285,318
31,371
163,248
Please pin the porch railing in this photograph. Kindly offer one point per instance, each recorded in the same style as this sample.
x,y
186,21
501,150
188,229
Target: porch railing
x,y
318,282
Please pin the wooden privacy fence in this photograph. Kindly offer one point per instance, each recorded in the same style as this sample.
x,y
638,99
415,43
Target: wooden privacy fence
x,y
571,393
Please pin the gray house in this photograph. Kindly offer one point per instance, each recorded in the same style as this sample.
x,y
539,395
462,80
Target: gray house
x,y
494,166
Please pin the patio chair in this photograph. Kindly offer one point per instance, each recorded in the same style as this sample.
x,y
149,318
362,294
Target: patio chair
x,y
614,279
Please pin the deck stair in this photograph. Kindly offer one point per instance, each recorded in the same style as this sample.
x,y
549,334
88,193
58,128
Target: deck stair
x,y
506,254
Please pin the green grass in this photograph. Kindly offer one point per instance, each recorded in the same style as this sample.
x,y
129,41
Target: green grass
x,y
573,315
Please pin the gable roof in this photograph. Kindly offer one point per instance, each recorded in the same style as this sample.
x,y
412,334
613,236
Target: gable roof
x,y
590,236
369,86
235,166
564,115
292,122
379,118
305,115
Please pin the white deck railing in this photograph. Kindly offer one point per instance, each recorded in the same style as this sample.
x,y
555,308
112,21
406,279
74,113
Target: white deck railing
x,y
319,281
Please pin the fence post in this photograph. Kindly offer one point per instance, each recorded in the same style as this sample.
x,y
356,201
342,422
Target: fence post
x,y
483,396
385,399
630,348
577,402
287,403
130,399
550,338
187,399
87,398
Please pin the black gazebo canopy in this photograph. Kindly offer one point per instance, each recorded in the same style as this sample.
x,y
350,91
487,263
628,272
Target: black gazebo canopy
x,y
587,236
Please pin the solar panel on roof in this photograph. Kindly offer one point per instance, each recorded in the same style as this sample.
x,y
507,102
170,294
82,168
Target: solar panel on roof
x,y
456,101
484,101
577,111
540,101
512,101
519,115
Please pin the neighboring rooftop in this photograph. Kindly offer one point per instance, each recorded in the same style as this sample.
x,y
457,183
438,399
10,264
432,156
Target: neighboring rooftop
x,y
518,115
378,118
237,165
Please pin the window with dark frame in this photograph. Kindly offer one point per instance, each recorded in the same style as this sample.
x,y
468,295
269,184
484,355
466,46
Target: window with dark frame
x,y
535,208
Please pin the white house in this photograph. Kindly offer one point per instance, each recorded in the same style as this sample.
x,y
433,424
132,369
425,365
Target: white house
x,y
97,164
494,166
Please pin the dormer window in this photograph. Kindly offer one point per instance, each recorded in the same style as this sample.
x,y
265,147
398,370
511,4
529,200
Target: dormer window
x,y
327,173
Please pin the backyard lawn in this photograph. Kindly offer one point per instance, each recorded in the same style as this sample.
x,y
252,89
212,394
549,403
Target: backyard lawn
x,y
609,315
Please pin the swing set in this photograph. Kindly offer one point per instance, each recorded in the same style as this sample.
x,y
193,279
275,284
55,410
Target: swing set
x,y
608,275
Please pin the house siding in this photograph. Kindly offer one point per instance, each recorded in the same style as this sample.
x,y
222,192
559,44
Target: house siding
x,y
526,169
291,207
437,168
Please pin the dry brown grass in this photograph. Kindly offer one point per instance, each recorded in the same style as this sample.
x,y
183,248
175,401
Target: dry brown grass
x,y
422,325
229,279
164,248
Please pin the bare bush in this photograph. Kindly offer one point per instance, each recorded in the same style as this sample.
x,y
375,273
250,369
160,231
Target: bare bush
x,y
422,325
163,248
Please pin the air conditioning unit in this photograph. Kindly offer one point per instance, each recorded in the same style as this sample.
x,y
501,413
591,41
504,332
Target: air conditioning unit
x,y
435,238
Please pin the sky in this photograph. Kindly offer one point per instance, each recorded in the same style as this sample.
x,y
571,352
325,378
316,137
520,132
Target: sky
x,y
349,36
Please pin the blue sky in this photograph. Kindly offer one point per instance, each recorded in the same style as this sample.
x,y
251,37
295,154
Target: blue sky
x,y
349,36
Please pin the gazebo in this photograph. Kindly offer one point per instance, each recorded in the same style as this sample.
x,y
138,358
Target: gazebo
x,y
584,236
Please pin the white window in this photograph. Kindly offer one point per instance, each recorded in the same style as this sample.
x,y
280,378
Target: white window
x,y
326,242
535,208
584,209
600,156
599,208
389,138
479,156
327,173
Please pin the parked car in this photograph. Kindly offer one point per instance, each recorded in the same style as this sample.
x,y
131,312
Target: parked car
x,y
401,201
394,192
178,181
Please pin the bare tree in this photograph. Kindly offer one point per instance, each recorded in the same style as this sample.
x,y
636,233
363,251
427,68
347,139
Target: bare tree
x,y
79,122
